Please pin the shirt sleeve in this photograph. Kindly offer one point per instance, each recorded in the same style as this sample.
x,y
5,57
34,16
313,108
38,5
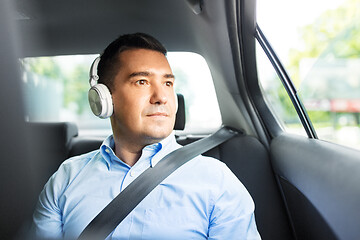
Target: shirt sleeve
x,y
232,216
47,217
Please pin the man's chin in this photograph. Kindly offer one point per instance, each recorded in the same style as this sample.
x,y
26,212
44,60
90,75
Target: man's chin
x,y
157,136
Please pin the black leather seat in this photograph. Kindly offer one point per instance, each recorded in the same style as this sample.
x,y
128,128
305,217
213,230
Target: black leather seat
x,y
49,145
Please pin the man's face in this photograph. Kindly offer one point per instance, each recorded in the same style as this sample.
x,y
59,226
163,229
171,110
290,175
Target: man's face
x,y
144,98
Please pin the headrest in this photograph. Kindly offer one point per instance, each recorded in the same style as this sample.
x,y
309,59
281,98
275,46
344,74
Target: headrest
x,y
180,114
47,131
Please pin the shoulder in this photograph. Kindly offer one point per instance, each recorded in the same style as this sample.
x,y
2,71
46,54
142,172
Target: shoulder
x,y
219,174
211,166
76,163
211,170
68,171
48,205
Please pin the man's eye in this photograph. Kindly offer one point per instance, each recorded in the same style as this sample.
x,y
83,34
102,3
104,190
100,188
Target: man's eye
x,y
169,83
141,82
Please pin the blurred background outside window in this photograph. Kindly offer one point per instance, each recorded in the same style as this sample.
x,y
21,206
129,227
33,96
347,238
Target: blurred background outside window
x,y
318,43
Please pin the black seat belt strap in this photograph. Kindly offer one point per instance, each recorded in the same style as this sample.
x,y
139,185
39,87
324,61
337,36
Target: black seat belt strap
x,y
111,216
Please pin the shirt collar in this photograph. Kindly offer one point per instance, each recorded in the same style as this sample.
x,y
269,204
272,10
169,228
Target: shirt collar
x,y
106,150
168,145
156,151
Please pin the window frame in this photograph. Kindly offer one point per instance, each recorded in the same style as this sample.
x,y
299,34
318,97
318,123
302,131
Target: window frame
x,y
249,33
286,82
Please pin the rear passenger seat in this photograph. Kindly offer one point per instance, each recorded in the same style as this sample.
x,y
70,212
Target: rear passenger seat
x,y
49,146
244,155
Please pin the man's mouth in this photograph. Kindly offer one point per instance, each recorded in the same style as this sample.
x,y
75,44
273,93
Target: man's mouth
x,y
158,114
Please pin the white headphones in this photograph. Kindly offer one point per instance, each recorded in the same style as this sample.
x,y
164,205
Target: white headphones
x,y
99,96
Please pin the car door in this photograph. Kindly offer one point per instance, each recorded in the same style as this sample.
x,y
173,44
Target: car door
x,y
318,179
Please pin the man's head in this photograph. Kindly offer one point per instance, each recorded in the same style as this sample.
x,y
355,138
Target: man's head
x,y
109,63
135,69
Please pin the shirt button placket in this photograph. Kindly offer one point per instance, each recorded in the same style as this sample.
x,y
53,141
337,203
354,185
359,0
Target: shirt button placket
x,y
128,178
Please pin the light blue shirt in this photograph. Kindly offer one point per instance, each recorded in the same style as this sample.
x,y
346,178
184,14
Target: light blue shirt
x,y
202,199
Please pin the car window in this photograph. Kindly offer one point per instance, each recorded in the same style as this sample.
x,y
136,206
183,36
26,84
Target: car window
x,y
321,53
55,89
276,96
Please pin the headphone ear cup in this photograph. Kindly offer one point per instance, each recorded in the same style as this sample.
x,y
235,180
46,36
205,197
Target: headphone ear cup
x,y
100,101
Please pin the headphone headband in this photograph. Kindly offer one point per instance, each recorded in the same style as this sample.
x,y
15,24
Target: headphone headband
x,y
94,77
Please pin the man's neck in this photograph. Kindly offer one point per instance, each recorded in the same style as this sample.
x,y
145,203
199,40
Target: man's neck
x,y
129,151
128,156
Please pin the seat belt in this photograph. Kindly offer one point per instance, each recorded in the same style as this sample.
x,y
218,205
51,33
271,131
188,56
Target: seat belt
x,y
112,215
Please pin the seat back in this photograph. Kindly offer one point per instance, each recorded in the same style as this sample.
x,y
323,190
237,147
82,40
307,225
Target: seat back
x,y
49,145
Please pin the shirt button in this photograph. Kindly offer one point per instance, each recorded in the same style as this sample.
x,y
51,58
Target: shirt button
x,y
132,174
107,150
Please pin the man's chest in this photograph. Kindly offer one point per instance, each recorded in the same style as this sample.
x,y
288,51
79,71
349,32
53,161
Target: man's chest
x,y
173,210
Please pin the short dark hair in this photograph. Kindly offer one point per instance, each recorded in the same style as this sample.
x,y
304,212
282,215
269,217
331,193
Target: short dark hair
x,y
109,59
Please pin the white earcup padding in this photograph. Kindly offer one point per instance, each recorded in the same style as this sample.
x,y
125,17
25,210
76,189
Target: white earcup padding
x,y
100,101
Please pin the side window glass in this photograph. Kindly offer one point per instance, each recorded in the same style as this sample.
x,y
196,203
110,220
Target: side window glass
x,y
322,55
194,81
276,96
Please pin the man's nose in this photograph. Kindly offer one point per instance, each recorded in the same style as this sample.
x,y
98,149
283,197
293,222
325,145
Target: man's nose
x,y
158,95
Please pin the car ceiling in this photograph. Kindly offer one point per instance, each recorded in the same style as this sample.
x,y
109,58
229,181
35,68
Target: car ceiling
x,y
61,27
50,28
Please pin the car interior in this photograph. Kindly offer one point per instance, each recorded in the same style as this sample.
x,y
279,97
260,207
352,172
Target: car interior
x,y
303,187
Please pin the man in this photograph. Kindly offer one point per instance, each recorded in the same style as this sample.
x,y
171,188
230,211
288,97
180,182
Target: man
x,y
201,200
